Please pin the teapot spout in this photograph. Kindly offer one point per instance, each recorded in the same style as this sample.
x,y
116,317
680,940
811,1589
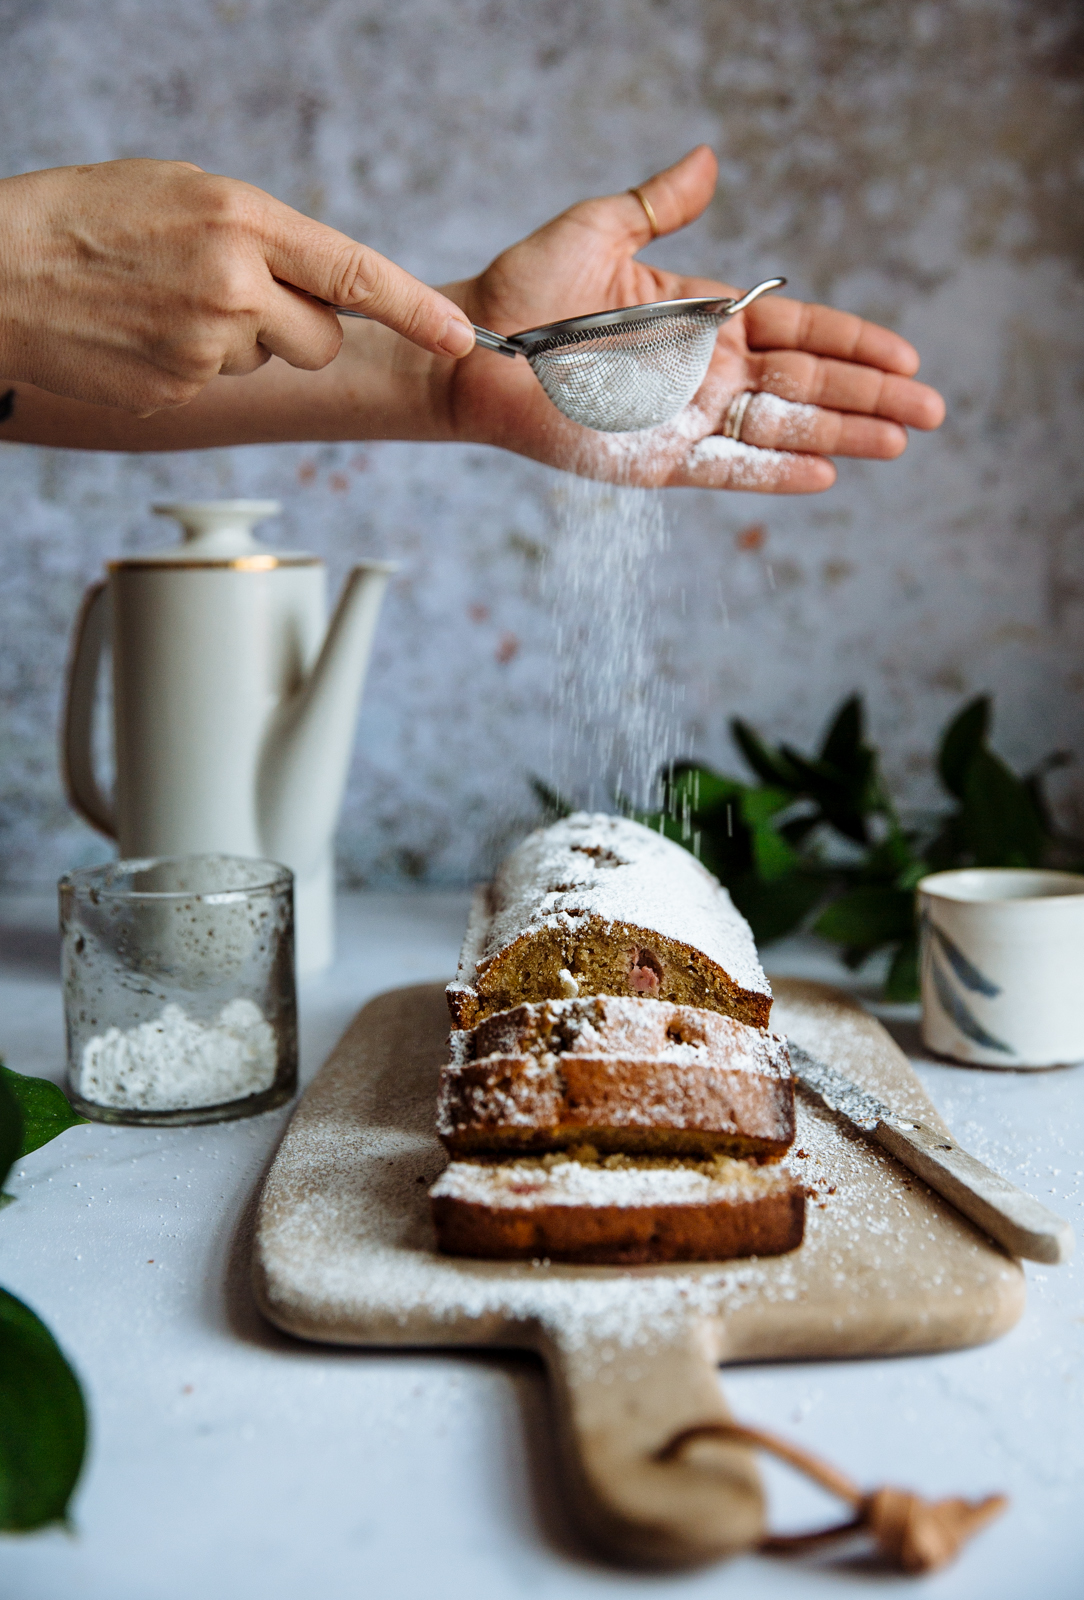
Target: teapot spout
x,y
307,751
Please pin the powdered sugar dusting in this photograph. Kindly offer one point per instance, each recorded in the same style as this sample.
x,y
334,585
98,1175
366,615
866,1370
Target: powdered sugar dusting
x,y
793,425
622,1025
568,1180
592,865
748,466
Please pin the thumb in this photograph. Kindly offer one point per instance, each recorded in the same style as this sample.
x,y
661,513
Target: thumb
x,y
674,197
335,268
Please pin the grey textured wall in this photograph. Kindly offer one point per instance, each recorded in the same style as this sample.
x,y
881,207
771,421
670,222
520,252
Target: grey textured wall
x,y
921,163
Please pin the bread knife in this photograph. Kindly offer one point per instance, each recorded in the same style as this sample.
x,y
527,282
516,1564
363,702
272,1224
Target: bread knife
x,y
1022,1224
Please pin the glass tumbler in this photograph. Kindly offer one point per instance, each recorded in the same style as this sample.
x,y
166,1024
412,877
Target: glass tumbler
x,y
179,994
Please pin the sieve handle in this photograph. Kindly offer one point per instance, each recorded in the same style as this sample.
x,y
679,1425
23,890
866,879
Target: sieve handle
x,y
482,336
497,341
750,295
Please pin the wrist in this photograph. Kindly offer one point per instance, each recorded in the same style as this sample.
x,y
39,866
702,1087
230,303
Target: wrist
x,y
15,226
391,388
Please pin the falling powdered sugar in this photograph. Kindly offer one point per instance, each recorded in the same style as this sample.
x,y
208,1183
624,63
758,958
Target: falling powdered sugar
x,y
176,1063
615,715
612,711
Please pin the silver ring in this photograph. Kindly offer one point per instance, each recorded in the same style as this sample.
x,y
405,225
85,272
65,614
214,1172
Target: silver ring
x,y
735,415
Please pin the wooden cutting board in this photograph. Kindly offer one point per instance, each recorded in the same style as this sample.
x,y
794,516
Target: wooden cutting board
x,y
344,1252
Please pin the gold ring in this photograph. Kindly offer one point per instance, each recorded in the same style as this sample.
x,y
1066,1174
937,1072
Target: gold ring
x,y
648,212
735,415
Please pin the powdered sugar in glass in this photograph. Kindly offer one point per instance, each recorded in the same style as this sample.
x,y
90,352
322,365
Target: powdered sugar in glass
x,y
179,993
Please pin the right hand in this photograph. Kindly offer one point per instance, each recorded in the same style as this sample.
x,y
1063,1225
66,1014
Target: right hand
x,y
134,283
847,386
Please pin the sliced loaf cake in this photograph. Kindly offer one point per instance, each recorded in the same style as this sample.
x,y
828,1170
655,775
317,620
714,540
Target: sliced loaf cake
x,y
622,1074
617,1210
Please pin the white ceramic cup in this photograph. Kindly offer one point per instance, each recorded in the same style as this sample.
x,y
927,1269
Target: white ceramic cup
x,y
1002,966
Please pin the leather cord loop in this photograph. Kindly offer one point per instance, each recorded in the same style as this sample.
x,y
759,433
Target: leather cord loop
x,y
912,1534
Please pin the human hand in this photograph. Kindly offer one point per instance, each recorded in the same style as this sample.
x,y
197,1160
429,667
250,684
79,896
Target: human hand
x,y
824,382
134,283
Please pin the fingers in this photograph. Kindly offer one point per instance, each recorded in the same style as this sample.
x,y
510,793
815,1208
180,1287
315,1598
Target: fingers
x,y
779,323
717,463
843,386
327,264
775,424
303,333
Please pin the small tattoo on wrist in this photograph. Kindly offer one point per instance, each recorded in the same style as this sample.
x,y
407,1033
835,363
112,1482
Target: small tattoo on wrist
x,y
7,404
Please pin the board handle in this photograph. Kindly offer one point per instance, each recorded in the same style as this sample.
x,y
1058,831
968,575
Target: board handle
x,y
619,1407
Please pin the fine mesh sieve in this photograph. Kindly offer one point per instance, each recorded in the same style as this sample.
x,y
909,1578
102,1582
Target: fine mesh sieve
x,y
622,370
632,376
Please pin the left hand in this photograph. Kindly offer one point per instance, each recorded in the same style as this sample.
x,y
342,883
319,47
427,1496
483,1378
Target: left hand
x,y
825,382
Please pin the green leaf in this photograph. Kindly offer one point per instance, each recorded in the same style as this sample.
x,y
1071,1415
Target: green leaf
x,y
550,800
843,747
961,741
796,829
912,874
894,861
998,819
11,1128
902,981
843,780
772,856
43,1422
867,917
45,1110
768,765
775,909
759,806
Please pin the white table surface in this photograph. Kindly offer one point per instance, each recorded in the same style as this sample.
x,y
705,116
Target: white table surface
x,y
228,1461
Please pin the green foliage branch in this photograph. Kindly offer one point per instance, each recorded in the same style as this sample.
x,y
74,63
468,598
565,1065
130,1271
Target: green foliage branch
x,y
817,841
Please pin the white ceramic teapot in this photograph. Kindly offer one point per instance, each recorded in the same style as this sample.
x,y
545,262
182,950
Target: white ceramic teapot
x,y
233,709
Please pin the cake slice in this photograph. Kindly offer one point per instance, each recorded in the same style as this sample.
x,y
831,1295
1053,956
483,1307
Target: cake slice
x,y
623,1075
617,1211
597,904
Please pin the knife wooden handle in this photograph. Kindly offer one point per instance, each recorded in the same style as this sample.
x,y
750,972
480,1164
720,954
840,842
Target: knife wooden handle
x,y
1022,1224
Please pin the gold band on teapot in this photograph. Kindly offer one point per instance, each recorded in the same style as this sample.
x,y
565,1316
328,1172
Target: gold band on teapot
x,y
256,563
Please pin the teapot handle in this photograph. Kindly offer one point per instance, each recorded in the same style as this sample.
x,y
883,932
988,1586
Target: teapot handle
x,y
76,750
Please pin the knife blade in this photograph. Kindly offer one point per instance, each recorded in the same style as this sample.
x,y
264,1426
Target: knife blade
x,y
1016,1220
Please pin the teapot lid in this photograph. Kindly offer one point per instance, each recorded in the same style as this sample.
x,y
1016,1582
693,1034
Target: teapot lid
x,y
218,533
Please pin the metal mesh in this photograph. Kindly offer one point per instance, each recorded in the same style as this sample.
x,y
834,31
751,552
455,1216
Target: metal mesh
x,y
633,376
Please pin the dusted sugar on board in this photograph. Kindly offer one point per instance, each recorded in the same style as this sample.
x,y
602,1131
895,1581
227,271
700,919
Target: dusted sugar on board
x,y
601,905
617,1211
625,1075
